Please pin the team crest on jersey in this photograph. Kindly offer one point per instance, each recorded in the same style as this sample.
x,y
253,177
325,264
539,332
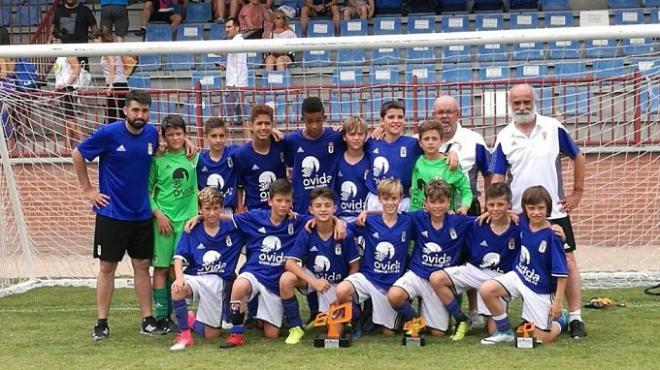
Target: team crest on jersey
x,y
512,244
403,153
230,162
338,249
228,240
150,149
403,236
331,148
543,246
290,229
452,233
545,135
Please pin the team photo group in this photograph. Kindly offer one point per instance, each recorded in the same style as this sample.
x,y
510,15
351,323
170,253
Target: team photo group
x,y
401,229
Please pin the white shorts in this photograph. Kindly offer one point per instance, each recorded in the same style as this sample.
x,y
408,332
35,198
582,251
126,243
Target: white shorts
x,y
431,308
208,290
270,304
325,299
383,313
536,307
374,203
468,277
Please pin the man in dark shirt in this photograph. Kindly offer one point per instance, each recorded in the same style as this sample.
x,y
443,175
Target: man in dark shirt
x,y
72,23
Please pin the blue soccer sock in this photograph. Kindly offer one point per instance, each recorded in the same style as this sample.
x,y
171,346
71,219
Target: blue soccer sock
x,y
502,322
292,311
198,328
253,307
313,303
454,308
181,313
355,317
406,311
226,314
237,317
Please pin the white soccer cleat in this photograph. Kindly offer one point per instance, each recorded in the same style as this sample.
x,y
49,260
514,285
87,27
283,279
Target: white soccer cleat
x,y
499,337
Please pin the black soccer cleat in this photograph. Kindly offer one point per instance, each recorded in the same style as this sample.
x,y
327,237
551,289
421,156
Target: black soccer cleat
x,y
577,330
100,332
151,327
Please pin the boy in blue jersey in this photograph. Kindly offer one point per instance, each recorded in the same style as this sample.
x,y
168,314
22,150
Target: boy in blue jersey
x,y
123,216
270,235
260,161
353,170
386,238
440,240
325,262
312,153
491,251
394,156
204,260
539,277
217,166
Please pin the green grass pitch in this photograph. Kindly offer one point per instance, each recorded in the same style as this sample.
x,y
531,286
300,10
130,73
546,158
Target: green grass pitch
x,y
49,328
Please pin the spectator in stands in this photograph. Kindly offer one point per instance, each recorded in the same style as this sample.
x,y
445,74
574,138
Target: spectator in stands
x,y
236,75
6,64
319,8
115,79
281,30
388,6
114,16
253,18
159,11
72,23
67,70
364,9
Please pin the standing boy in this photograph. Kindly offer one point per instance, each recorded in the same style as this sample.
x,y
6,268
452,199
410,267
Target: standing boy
x,y
353,170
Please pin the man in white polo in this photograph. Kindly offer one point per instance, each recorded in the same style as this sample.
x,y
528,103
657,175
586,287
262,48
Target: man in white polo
x,y
530,147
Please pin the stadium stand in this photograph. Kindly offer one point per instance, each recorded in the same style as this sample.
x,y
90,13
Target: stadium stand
x,y
386,26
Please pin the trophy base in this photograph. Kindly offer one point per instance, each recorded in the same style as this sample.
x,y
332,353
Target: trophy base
x,y
323,342
409,341
525,342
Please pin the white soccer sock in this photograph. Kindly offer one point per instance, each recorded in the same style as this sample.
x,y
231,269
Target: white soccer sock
x,y
501,317
575,315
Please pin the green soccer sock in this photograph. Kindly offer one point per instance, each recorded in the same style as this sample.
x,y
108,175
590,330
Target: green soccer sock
x,y
161,302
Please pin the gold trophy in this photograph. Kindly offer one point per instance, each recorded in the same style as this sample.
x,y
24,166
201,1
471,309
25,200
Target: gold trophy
x,y
334,318
412,336
525,338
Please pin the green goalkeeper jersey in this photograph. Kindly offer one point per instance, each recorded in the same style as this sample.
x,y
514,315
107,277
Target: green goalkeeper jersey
x,y
173,185
426,170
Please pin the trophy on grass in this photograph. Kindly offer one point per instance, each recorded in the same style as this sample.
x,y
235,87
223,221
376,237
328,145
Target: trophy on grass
x,y
412,336
334,318
525,338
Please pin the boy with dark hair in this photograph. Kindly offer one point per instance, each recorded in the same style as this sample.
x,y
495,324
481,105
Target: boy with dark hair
x,y
204,260
173,197
325,262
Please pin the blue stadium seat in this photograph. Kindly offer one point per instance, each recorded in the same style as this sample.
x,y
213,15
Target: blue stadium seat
x,y
600,48
559,19
655,15
526,50
190,32
547,5
450,6
635,46
207,80
650,3
254,59
650,94
628,16
523,4
198,12
421,24
345,102
420,54
5,16
183,62
353,56
531,71
210,60
217,32
139,81
608,68
381,77
456,73
320,28
316,58
614,4
28,15
386,26
489,22
425,94
524,21
158,32
490,52
295,25
347,77
179,62
455,23
276,79
562,49
494,72
572,100
488,5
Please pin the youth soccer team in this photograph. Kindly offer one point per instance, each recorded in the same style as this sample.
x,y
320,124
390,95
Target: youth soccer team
x,y
342,216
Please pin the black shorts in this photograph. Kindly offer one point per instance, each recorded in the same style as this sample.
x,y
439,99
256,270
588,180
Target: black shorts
x,y
117,16
113,238
68,100
157,16
565,223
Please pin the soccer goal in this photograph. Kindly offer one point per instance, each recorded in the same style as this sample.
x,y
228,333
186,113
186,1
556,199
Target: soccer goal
x,y
602,83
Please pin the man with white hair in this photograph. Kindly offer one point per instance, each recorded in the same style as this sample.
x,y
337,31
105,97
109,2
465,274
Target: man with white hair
x,y
529,147
473,154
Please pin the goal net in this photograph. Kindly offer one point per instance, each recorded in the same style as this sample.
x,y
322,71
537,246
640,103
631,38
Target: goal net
x,y
601,83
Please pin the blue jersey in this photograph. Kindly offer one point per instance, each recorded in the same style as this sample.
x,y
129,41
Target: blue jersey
x,y
351,187
124,163
541,259
437,249
256,171
385,249
394,160
267,244
327,259
314,164
221,174
488,250
204,254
